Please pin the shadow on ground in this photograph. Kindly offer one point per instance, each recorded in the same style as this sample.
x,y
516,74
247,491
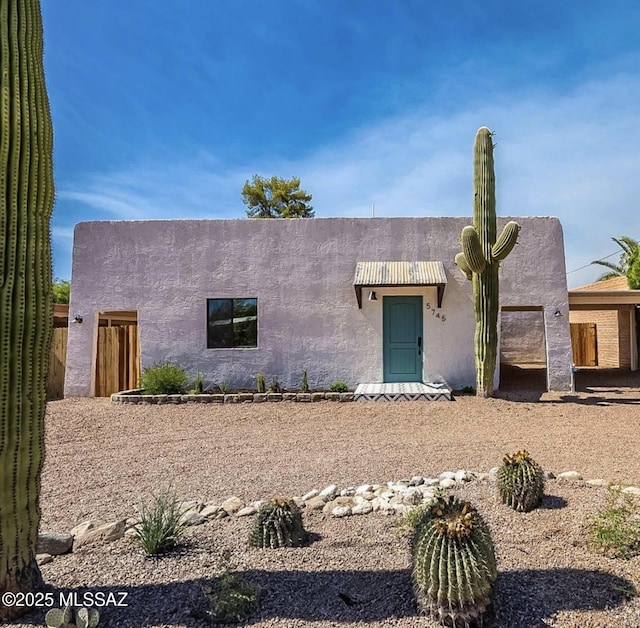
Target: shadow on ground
x,y
523,598
592,386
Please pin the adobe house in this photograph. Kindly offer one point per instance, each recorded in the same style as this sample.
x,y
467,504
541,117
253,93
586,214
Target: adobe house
x,y
362,300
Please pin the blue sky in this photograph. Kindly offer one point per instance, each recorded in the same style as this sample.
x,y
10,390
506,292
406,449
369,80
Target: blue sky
x,y
162,109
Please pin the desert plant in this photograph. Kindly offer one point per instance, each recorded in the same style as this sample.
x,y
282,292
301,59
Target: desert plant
x,y
164,378
198,385
260,384
338,387
232,599
453,562
278,524
223,387
274,387
26,323
70,617
520,481
615,530
304,383
161,524
480,258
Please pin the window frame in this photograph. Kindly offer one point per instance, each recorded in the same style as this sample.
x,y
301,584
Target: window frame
x,y
232,331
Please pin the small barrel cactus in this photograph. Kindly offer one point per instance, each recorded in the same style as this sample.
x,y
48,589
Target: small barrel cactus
x,y
80,618
454,564
278,524
520,482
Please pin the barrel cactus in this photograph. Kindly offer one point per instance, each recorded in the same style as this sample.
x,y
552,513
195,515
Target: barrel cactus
x,y
278,524
68,617
26,179
480,259
454,564
520,482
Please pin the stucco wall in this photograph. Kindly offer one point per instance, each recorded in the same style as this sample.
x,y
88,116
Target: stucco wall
x,y
301,272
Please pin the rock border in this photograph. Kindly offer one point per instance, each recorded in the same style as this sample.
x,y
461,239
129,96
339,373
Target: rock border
x,y
392,498
135,396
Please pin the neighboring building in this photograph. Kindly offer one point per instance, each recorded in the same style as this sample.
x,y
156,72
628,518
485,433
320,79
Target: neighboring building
x,y
361,300
605,324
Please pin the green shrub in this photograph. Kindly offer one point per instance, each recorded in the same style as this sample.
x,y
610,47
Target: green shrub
x,y
338,387
198,385
615,530
161,524
232,599
260,383
275,386
223,387
164,378
304,384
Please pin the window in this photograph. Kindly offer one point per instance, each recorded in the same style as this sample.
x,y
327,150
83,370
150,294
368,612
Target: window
x,y
232,323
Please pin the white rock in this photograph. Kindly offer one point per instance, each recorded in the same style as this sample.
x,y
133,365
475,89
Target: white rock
x,y
247,511
106,533
330,491
193,518
447,475
362,509
462,475
411,496
231,505
447,483
315,503
416,480
631,490
312,493
341,511
190,505
210,511
348,492
431,482
81,528
494,471
258,503
569,475
598,482
364,488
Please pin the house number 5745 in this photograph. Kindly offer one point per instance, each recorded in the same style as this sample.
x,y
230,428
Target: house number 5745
x,y
442,317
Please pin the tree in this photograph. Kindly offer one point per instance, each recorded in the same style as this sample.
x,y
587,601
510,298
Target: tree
x,y
26,180
629,264
61,291
276,198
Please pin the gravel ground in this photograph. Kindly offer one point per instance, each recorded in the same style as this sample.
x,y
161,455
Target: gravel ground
x,y
103,459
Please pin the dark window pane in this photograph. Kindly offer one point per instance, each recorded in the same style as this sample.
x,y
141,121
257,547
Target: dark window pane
x,y
232,323
245,332
220,310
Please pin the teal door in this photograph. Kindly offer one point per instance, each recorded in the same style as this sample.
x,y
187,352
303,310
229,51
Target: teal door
x,y
402,339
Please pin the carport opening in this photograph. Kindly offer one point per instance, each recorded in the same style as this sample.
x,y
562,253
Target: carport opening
x,y
523,354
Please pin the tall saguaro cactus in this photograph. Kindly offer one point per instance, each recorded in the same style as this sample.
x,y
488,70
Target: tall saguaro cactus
x,y
480,258
26,188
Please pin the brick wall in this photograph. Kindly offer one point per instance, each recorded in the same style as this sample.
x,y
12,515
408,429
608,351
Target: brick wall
x,y
612,328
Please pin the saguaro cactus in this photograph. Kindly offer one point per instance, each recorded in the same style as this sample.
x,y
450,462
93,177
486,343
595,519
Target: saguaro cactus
x,y
480,258
26,189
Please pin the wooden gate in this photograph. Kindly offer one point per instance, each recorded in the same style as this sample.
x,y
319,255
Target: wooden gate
x,y
57,362
584,341
117,360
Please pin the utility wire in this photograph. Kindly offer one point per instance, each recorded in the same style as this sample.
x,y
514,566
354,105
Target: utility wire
x,y
591,263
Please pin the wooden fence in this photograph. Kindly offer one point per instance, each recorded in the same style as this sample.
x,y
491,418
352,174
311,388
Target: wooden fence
x,y
117,360
584,341
57,363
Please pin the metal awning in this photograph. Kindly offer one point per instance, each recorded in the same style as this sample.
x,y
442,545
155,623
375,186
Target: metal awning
x,y
391,274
